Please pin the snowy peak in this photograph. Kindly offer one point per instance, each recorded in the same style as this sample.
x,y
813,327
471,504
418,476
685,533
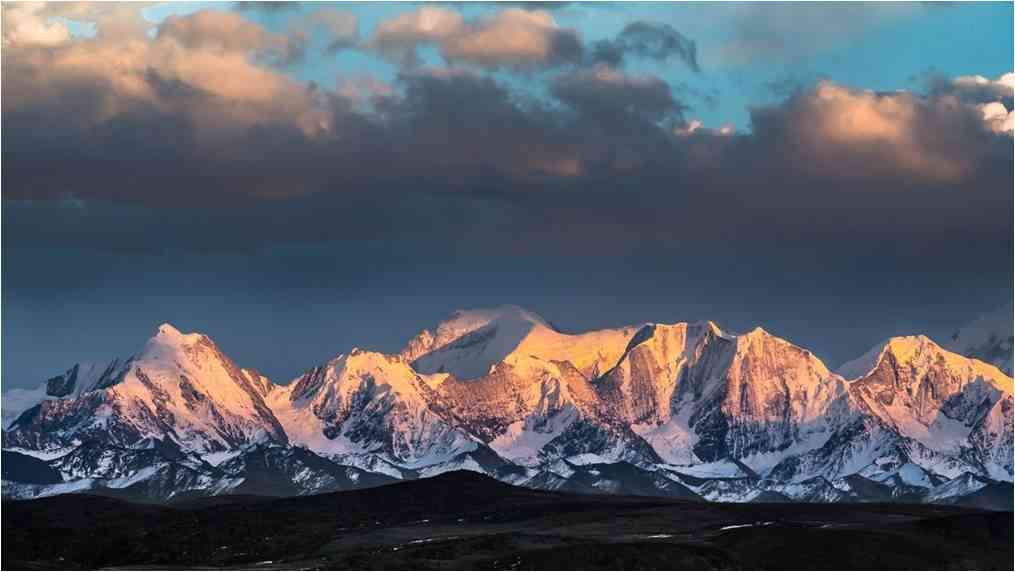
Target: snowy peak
x,y
921,356
775,382
504,392
759,344
168,335
169,341
471,342
463,322
76,381
367,403
168,330
179,387
84,377
658,360
347,372
903,349
946,402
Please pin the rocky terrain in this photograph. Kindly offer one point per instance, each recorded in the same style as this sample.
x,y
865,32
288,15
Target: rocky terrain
x,y
682,410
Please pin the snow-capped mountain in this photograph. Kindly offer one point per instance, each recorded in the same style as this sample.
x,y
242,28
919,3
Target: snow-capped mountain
x,y
916,413
366,404
685,410
525,389
699,395
988,338
470,342
79,379
180,387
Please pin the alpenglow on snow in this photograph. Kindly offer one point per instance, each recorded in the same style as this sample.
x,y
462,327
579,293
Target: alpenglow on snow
x,y
685,410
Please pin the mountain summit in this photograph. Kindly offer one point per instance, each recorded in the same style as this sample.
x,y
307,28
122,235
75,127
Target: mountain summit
x,y
683,409
469,342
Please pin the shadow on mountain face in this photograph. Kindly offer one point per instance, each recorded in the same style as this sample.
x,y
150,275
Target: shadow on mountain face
x,y
25,469
464,520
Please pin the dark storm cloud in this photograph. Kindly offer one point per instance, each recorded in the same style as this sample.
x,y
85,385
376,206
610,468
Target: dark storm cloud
x,y
655,41
605,92
837,133
190,143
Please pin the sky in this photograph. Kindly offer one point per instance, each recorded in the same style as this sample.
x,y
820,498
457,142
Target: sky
x,y
298,179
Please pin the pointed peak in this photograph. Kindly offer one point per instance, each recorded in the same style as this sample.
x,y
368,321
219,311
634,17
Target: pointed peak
x,y
168,335
861,366
759,335
907,346
917,350
690,332
904,349
168,330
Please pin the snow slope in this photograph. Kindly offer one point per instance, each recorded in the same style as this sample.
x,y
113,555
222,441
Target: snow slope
x,y
692,408
179,387
369,404
471,341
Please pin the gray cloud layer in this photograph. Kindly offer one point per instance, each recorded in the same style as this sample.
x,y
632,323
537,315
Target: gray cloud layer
x,y
196,121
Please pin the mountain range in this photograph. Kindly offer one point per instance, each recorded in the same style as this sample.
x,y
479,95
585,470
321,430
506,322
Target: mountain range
x,y
683,410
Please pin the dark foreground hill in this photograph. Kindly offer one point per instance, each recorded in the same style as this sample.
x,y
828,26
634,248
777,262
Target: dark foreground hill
x,y
464,520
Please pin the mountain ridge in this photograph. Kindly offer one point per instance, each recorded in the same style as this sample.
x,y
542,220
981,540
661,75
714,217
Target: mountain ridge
x,y
505,393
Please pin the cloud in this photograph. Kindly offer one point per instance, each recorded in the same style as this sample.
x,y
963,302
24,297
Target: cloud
x,y
998,118
537,5
433,128
227,32
43,24
112,20
655,41
696,127
974,88
183,102
522,39
27,24
513,38
604,92
196,123
364,90
398,37
994,98
267,6
860,132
